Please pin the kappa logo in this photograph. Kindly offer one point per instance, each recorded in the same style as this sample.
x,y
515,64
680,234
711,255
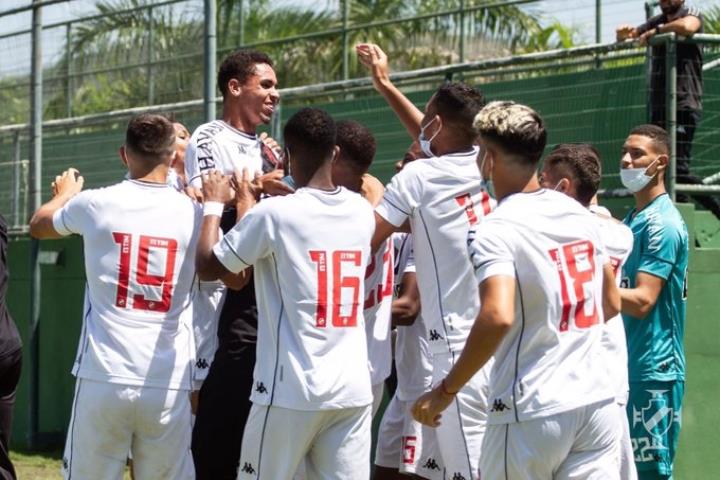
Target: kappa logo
x,y
65,463
431,464
499,406
260,387
458,476
242,150
202,363
434,336
657,417
248,468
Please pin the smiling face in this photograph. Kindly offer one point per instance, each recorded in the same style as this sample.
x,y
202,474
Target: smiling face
x,y
258,96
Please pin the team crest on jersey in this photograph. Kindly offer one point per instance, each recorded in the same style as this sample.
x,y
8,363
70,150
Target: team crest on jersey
x,y
657,417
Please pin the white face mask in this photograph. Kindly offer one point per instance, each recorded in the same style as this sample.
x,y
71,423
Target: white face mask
x,y
635,179
558,186
425,143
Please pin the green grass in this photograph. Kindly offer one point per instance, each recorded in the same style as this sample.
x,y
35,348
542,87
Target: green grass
x,y
39,466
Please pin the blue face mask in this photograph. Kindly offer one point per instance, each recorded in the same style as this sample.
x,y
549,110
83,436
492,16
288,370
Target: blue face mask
x,y
426,143
485,184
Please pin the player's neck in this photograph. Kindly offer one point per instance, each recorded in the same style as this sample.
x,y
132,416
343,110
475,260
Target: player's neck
x,y
233,118
322,179
643,198
156,175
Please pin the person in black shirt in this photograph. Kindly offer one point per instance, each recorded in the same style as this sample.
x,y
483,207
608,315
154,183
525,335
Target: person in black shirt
x,y
10,362
684,21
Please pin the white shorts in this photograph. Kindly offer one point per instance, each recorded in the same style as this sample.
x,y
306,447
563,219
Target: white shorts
x,y
406,444
108,420
627,458
579,444
207,306
462,426
334,444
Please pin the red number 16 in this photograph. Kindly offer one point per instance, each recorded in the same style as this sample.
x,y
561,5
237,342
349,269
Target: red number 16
x,y
578,263
339,283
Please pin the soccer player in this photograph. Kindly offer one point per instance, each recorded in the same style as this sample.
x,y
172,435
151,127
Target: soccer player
x,y
176,174
357,151
404,445
545,287
574,169
135,353
654,303
442,198
312,396
225,361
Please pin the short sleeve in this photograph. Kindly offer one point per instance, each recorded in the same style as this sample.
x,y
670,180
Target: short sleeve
x,y
200,156
247,242
75,216
694,11
490,254
401,197
661,243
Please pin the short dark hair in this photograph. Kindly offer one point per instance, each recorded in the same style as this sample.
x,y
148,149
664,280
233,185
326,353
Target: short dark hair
x,y
516,128
239,65
151,136
457,104
658,135
357,145
581,161
310,136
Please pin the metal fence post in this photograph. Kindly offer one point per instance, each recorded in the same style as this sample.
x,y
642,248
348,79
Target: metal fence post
x,y
68,78
16,180
671,108
150,57
210,59
461,54
345,39
36,107
241,21
598,21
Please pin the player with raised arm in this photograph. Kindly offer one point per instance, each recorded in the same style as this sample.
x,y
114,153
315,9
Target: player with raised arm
x,y
135,354
312,396
575,169
545,287
226,339
406,447
442,198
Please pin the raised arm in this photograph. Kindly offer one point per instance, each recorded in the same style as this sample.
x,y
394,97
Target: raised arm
x,y
66,185
376,61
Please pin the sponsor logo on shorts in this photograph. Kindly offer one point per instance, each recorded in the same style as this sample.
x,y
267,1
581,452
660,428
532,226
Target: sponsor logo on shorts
x,y
431,464
458,476
499,406
260,387
202,363
434,336
248,468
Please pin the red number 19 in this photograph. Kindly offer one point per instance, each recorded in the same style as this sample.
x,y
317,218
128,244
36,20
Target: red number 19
x,y
319,257
142,276
578,263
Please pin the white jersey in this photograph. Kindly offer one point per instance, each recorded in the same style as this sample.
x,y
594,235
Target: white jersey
x,y
139,242
618,239
548,361
378,312
219,146
412,353
310,251
443,199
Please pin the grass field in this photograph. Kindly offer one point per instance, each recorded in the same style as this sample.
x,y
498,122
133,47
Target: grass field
x,y
39,466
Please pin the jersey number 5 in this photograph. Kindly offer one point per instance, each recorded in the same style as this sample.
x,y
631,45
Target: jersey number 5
x,y
142,276
578,263
339,282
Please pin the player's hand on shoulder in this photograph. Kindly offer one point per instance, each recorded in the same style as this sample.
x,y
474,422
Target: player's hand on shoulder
x,y
373,58
69,183
271,184
194,193
216,187
246,190
625,32
372,189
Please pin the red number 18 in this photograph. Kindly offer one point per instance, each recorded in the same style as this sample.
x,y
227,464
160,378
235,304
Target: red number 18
x,y
577,262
